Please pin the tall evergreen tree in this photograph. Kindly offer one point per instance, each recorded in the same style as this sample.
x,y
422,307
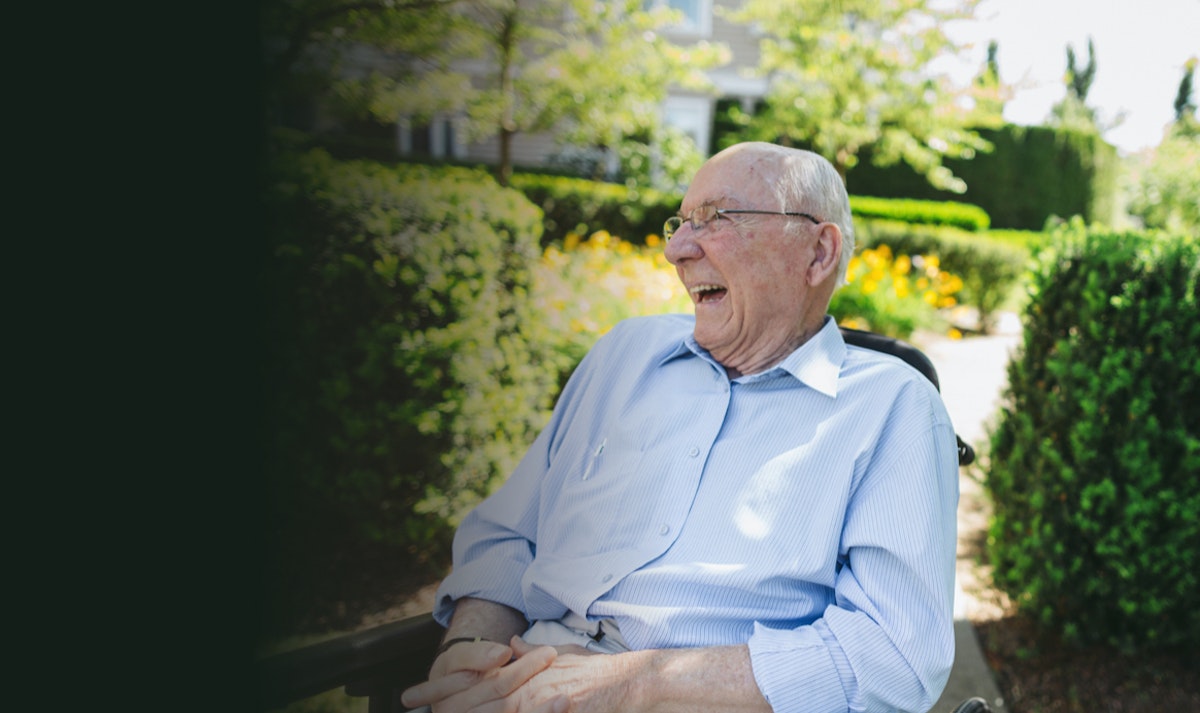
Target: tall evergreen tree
x,y
1185,109
1073,112
988,92
1079,79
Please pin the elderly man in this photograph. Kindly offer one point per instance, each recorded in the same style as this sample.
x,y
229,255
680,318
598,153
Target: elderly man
x,y
737,511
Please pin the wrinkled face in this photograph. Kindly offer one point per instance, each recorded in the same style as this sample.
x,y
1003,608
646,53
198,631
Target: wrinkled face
x,y
745,274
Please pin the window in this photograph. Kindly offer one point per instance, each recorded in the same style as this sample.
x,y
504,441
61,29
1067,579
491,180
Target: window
x,y
437,139
697,16
692,116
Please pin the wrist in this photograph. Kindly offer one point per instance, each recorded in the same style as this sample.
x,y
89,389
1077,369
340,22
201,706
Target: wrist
x,y
643,671
457,640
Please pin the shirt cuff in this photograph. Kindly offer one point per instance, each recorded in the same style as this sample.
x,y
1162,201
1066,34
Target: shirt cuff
x,y
481,581
794,670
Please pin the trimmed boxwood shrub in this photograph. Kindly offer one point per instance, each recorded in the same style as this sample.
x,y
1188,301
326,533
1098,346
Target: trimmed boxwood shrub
x,y
1095,462
406,375
990,269
582,207
956,215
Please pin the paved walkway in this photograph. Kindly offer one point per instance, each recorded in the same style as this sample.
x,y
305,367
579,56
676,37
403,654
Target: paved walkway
x,y
972,372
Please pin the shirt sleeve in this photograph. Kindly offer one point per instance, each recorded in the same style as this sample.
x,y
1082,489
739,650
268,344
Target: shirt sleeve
x,y
887,642
496,542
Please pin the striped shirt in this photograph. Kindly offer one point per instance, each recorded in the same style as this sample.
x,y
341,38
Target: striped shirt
x,y
807,511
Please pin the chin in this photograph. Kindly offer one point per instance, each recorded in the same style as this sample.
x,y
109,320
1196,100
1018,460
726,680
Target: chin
x,y
706,339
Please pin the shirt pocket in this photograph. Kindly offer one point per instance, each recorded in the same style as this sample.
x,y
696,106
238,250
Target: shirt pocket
x,y
609,473
600,501
611,462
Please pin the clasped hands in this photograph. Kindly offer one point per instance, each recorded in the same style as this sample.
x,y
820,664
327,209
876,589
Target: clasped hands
x,y
487,677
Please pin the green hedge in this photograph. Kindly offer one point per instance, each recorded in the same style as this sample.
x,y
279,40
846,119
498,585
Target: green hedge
x,y
1031,174
406,374
1095,463
956,215
990,269
580,206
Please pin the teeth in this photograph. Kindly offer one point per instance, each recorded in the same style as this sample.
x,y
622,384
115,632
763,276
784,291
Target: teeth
x,y
701,289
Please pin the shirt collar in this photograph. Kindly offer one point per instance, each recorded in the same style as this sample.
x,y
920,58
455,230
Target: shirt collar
x,y
816,363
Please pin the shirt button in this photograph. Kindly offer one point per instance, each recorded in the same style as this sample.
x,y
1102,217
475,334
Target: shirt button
x,y
664,529
606,578
694,452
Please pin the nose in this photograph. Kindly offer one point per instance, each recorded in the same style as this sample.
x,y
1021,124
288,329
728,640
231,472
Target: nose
x,y
683,245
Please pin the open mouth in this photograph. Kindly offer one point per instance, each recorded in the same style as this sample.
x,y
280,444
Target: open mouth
x,y
703,294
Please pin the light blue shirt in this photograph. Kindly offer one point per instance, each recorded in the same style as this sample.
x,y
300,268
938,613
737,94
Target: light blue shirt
x,y
808,511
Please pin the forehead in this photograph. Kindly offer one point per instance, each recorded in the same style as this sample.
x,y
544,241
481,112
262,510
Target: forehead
x,y
730,182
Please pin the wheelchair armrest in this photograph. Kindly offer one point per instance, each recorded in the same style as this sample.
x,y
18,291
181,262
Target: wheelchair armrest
x,y
373,663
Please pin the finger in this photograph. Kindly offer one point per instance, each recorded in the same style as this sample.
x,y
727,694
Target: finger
x,y
438,689
498,685
520,647
513,676
482,656
558,704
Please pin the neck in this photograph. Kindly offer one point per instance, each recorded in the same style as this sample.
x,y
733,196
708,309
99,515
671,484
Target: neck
x,y
767,358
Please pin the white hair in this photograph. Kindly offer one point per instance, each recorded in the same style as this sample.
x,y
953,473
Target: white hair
x,y
809,183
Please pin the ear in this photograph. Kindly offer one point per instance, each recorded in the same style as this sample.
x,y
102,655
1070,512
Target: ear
x,y
826,250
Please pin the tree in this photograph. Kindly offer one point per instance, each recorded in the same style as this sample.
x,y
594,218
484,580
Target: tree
x,y
595,72
1166,189
1079,81
1185,123
1165,183
305,44
1073,112
988,92
854,74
